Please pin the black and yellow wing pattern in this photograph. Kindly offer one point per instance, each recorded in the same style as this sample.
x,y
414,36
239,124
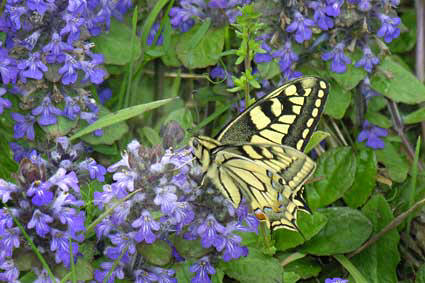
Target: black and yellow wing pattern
x,y
259,153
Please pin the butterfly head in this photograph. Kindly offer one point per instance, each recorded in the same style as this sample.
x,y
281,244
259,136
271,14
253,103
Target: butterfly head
x,y
202,147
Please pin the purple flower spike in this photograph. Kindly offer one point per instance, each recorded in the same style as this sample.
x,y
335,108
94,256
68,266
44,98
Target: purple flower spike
x,y
55,49
301,26
203,269
24,126
32,67
368,60
4,102
373,135
41,222
322,20
47,112
339,60
40,193
389,29
146,224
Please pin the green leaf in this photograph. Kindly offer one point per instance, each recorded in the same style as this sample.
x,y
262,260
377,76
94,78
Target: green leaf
x,y
337,168
376,103
61,128
420,274
415,117
396,165
151,135
170,57
84,269
309,224
378,119
345,231
115,45
338,101
158,253
378,263
204,54
397,83
305,267
364,180
150,20
290,277
182,116
243,269
316,138
354,272
190,249
407,40
122,115
268,70
350,79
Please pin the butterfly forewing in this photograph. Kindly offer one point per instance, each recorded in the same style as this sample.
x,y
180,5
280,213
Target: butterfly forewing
x,y
287,116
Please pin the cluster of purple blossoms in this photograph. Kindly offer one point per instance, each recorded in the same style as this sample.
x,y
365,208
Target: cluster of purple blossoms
x,y
45,200
48,43
221,11
155,201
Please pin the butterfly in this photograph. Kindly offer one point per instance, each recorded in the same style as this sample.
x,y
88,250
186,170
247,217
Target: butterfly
x,y
258,155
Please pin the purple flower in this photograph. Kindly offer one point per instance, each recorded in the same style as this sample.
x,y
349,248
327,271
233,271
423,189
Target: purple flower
x,y
91,118
202,268
32,67
321,19
264,57
146,224
373,135
11,272
72,27
336,280
231,244
71,109
104,95
364,5
96,171
166,198
333,7
152,35
69,70
4,102
6,220
9,240
40,191
389,29
37,5
6,189
15,13
30,42
103,228
60,244
182,18
339,60
64,180
144,276
8,69
91,69
55,49
24,126
117,272
210,231
368,60
287,56
217,73
164,275
122,242
103,197
301,26
47,112
41,222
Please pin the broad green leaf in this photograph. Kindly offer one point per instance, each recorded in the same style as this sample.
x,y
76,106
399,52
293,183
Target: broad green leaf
x,y
376,103
345,231
205,53
121,115
309,224
170,57
316,138
391,157
29,277
336,167
364,180
84,271
290,277
420,274
115,45
158,253
243,269
269,70
338,101
182,116
305,267
378,263
61,128
397,83
189,249
151,135
349,79
378,119
415,117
